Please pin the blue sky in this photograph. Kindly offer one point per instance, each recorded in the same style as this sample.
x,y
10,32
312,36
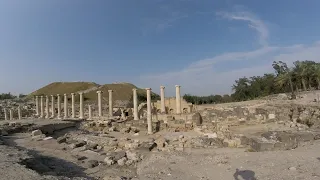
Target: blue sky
x,y
202,45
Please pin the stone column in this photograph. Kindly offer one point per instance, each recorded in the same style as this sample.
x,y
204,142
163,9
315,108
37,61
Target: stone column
x,y
163,105
81,116
5,114
19,112
178,100
135,105
53,107
47,107
99,103
149,115
73,110
41,107
37,105
110,103
59,106
90,112
11,114
65,106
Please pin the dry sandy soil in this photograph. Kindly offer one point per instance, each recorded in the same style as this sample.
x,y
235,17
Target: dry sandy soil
x,y
206,164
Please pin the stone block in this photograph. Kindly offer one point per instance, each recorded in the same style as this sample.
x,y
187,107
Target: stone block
x,y
196,118
305,136
259,145
36,132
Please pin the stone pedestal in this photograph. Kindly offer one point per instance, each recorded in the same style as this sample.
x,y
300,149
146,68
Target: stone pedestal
x,y
65,106
41,107
163,106
11,114
5,114
37,105
81,116
59,106
149,111
99,103
47,107
73,110
110,103
135,105
178,100
53,108
123,116
19,112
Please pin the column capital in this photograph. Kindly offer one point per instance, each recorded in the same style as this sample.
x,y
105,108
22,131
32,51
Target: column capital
x,y
65,94
148,89
110,90
134,89
178,86
162,87
99,92
47,96
80,93
72,94
51,95
58,94
36,96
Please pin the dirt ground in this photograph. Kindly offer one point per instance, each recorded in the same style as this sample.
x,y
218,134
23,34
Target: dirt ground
x,y
206,164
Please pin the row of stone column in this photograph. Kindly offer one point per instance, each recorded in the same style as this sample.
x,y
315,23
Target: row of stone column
x,y
11,113
44,111
100,103
163,106
178,100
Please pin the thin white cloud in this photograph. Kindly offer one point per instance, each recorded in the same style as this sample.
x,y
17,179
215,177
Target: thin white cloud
x,y
254,22
201,77
233,56
206,80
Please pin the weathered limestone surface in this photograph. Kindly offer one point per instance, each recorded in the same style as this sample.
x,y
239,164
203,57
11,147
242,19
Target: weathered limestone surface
x,y
178,100
162,96
19,113
90,112
41,107
135,105
99,103
47,107
81,115
37,105
73,109
11,114
110,103
149,115
65,109
59,106
53,107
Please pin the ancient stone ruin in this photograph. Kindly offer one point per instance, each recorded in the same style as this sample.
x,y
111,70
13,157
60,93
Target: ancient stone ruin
x,y
63,138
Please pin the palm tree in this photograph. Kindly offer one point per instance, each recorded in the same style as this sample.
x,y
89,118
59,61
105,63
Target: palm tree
x,y
283,80
300,70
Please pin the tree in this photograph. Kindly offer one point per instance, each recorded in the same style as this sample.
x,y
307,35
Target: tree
x,y
284,74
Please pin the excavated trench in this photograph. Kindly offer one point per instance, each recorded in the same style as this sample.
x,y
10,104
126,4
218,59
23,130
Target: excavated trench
x,y
47,164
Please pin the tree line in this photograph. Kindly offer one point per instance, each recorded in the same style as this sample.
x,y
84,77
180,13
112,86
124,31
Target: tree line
x,y
302,76
4,96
